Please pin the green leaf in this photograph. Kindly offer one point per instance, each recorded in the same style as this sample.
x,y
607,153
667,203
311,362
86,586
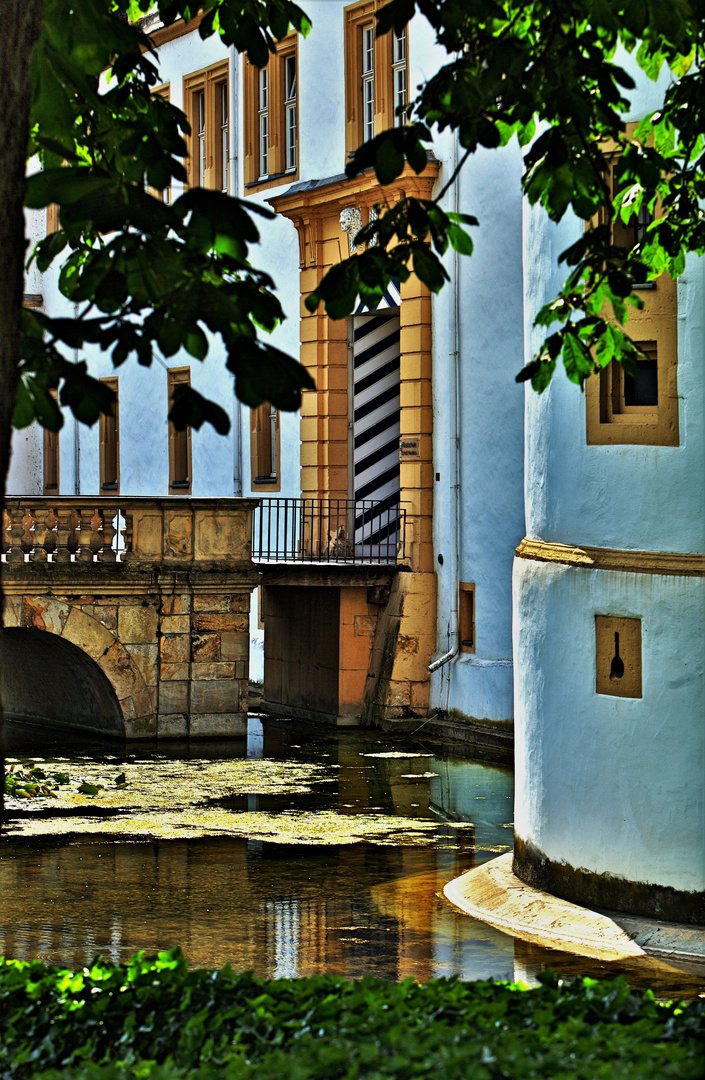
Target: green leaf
x,y
389,159
23,413
428,268
460,240
64,186
394,15
88,789
191,409
576,359
196,342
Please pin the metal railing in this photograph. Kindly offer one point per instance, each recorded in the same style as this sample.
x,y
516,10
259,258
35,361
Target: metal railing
x,y
328,530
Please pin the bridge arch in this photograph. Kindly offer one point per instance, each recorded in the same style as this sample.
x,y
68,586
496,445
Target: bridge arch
x,y
61,666
48,680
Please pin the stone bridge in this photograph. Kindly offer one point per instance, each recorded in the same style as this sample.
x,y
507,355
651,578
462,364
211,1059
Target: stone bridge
x,y
127,617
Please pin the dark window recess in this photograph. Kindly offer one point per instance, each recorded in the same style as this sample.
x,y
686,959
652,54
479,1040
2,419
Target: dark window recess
x,y
466,613
642,388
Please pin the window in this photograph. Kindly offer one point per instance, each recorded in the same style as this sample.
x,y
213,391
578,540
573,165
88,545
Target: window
x,y
640,409
263,117
224,149
109,431
264,447
399,77
165,195
50,457
466,616
271,117
368,82
51,462
206,103
376,75
290,111
179,441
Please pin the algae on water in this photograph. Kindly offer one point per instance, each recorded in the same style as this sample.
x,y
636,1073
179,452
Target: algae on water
x,y
164,799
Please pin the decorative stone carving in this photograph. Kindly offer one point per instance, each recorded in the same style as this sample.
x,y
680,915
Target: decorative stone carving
x,y
351,223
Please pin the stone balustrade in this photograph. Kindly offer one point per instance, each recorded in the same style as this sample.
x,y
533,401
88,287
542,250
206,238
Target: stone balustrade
x,y
154,592
128,530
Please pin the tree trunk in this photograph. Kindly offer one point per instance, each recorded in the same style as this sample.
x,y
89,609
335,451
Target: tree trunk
x,y
20,24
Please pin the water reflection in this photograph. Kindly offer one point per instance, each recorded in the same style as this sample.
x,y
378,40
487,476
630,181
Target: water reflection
x,y
287,911
354,909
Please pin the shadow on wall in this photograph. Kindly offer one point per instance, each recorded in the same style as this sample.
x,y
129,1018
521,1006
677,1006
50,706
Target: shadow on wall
x,y
48,680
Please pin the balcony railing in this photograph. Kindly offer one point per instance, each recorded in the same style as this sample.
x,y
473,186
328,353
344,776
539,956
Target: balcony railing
x,y
127,529
328,530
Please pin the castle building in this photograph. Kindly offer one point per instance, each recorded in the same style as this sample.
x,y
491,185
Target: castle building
x,y
392,506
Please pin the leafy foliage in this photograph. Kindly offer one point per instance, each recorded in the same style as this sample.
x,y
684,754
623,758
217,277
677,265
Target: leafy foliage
x,y
146,278
520,68
28,780
153,1018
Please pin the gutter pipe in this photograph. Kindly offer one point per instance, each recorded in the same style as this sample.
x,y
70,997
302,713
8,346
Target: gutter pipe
x,y
454,437
233,165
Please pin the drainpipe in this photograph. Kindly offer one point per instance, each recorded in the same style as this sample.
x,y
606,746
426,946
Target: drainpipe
x,y
76,431
454,436
235,190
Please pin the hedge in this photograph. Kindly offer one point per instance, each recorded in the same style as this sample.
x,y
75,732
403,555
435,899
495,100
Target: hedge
x,y
154,1019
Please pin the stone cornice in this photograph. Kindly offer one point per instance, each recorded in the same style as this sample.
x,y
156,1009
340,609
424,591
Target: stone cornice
x,y
161,34
669,563
326,197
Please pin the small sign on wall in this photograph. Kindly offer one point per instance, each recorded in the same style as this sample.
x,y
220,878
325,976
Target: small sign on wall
x,y
618,656
410,448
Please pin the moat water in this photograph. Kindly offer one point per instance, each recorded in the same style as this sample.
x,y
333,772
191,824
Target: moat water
x,y
258,901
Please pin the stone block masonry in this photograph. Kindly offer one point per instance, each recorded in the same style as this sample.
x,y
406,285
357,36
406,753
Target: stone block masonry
x,y
168,634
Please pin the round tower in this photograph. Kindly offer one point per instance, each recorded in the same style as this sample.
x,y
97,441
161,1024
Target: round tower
x,y
609,611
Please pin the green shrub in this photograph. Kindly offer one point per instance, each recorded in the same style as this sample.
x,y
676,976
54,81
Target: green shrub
x,y
153,1019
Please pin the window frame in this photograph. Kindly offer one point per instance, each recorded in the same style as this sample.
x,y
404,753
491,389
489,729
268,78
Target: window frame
x,y
387,66
107,426
51,473
179,440
164,92
275,115
466,617
265,448
208,167
609,421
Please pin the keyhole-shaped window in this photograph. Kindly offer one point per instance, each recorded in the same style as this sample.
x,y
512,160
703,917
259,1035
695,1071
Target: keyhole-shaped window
x,y
617,665
618,656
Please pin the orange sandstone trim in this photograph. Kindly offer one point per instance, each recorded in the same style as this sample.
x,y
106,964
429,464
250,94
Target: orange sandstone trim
x,y
175,30
678,564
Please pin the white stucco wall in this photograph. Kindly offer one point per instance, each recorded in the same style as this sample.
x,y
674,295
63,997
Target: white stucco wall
x,y
611,784
490,431
607,784
635,497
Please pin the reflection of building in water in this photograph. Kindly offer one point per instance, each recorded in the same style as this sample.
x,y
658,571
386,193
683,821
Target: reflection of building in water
x,y
470,791
282,924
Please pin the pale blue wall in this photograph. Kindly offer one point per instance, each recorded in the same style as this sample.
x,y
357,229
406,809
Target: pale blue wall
x,y
604,783
491,498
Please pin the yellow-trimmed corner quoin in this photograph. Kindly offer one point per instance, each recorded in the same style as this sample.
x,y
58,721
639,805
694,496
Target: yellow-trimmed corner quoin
x,y
384,634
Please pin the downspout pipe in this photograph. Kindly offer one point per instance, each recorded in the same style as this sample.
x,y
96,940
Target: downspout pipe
x,y
76,432
454,440
235,190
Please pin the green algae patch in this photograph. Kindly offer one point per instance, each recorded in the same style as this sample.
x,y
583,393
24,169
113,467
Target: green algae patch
x,y
187,800
163,784
323,827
